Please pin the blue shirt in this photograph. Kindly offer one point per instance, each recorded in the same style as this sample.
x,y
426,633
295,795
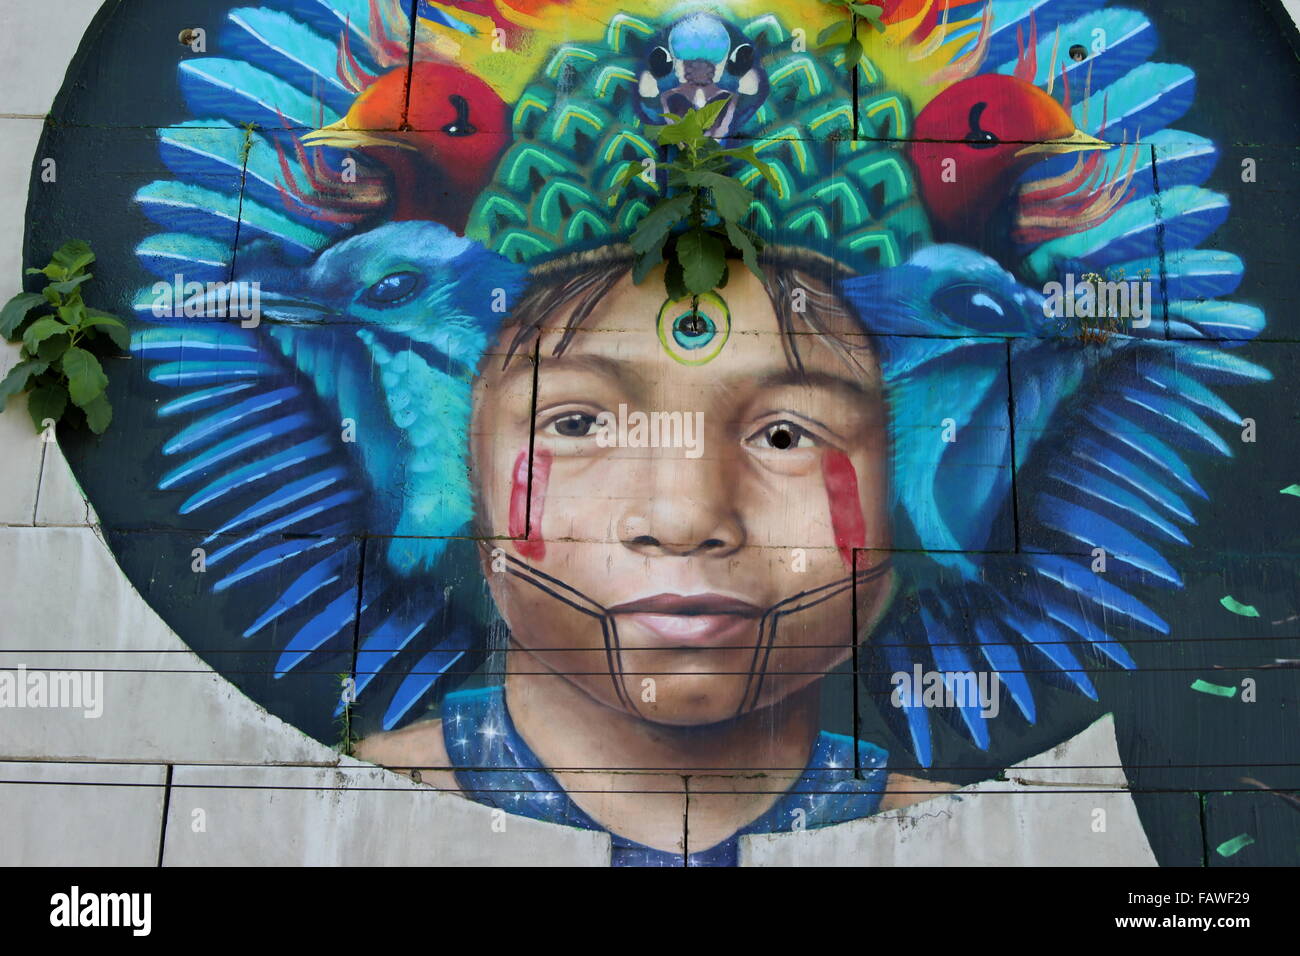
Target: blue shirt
x,y
495,767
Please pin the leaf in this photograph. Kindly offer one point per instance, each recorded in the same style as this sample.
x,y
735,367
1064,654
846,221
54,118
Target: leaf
x,y
18,378
703,260
1236,607
42,329
111,325
1291,490
708,114
73,314
86,378
748,155
732,199
853,52
674,282
52,349
867,11
69,286
74,256
835,34
629,173
98,414
646,263
742,241
16,310
46,401
658,222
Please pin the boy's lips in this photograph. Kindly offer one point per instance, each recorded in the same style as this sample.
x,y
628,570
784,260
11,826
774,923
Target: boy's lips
x,y
691,619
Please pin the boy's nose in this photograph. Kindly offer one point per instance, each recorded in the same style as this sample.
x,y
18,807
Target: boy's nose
x,y
687,507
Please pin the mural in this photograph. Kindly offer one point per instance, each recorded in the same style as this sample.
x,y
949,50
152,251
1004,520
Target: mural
x,y
419,456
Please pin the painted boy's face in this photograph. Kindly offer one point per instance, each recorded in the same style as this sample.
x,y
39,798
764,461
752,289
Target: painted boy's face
x,y
775,477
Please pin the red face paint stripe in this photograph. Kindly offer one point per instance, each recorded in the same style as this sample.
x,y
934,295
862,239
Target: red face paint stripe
x,y
847,523
521,515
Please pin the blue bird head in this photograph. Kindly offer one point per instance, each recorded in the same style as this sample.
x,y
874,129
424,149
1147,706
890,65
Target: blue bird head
x,y
696,61
409,284
390,325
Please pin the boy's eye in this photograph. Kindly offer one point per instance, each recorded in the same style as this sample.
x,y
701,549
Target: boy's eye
x,y
577,425
783,436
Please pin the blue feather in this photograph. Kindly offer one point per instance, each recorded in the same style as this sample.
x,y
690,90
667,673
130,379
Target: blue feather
x,y
1093,587
1191,391
1003,658
1114,499
279,44
1147,99
1222,320
245,476
274,557
313,635
1190,430
951,659
1135,476
1148,446
1048,641
1096,531
421,678
1079,623
282,497
241,93
207,428
237,444
198,258
318,576
299,517
1130,39
1047,14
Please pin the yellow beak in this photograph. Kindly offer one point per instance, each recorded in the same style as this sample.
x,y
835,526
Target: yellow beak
x,y
343,136
1077,141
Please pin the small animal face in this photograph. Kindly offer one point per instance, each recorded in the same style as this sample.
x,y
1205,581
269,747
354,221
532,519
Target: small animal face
x,y
699,60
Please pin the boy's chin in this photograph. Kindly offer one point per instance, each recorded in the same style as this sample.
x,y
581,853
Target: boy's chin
x,y
698,700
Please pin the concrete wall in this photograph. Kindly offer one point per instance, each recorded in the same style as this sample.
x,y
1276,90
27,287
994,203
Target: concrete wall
x,y
183,768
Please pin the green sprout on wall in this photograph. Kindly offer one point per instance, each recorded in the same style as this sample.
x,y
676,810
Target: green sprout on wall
x,y
846,31
697,224
62,340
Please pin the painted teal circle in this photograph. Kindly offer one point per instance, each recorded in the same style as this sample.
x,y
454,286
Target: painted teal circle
x,y
693,338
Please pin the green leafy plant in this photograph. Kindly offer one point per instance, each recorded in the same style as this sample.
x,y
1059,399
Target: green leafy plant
x,y
846,31
704,198
348,737
62,340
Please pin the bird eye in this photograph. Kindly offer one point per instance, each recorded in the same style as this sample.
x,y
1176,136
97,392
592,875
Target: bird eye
x,y
975,307
573,425
741,60
460,126
783,436
979,138
661,61
394,289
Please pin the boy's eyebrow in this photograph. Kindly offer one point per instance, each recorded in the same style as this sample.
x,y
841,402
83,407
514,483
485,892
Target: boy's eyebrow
x,y
619,369
802,378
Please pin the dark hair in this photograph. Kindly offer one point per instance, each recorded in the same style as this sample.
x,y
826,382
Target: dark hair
x,y
580,282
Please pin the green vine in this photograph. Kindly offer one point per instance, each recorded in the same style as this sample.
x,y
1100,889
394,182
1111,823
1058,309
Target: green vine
x,y
348,738
62,340
696,224
846,31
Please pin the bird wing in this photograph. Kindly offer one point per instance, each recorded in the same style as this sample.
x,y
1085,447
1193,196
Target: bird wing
x,y
257,416
1071,452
